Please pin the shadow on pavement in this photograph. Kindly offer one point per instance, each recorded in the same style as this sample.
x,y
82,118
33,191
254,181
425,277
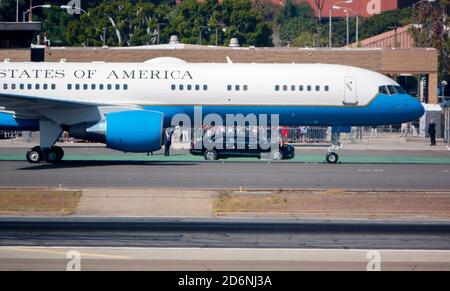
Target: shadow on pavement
x,y
87,163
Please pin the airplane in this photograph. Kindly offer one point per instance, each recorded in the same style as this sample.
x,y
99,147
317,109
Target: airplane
x,y
127,106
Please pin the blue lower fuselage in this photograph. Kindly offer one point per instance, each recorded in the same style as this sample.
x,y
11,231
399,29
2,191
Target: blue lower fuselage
x,y
382,110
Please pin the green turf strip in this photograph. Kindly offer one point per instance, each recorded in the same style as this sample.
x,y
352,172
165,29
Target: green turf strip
x,y
306,158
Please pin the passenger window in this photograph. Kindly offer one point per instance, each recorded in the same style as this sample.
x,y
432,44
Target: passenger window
x,y
327,88
229,87
245,87
277,87
197,87
13,86
317,88
125,87
5,86
117,87
109,86
53,86
300,87
181,87
93,86
45,86
292,88
85,86
29,86
205,87
173,87
238,88
309,88
37,87
69,86
189,87
285,87
77,87
101,86
22,86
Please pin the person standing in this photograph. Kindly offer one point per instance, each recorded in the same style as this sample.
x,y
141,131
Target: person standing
x,y
167,141
432,132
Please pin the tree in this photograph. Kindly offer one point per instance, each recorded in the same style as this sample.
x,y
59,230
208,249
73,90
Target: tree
x,y
126,24
319,5
431,28
8,10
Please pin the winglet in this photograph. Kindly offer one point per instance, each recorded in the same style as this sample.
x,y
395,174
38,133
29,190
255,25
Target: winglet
x,y
229,60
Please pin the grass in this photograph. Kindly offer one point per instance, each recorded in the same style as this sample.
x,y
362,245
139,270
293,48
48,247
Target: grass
x,y
227,202
38,202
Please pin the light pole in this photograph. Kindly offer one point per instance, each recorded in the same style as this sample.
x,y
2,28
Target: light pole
x,y
159,30
330,32
31,11
443,83
357,21
200,33
429,1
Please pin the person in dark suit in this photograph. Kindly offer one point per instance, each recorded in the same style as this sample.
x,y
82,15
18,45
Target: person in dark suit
x,y
432,132
167,141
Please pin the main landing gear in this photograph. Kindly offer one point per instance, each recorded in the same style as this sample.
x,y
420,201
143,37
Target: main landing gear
x,y
47,151
52,155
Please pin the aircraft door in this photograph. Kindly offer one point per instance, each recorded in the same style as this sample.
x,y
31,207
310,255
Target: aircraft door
x,y
350,96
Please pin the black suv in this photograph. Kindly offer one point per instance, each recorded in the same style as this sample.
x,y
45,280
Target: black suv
x,y
242,146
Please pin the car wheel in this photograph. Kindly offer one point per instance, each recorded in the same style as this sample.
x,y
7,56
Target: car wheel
x,y
211,155
277,155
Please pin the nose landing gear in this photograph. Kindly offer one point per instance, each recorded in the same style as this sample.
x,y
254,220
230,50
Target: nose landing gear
x,y
332,157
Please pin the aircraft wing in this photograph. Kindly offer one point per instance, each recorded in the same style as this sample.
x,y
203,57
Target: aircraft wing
x,y
25,103
60,111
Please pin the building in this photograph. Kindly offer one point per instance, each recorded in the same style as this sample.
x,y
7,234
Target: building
x,y
18,34
399,37
365,8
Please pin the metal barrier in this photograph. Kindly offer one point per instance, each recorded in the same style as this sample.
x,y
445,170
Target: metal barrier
x,y
447,124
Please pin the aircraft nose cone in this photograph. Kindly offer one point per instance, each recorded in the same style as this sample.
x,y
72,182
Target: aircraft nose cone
x,y
417,108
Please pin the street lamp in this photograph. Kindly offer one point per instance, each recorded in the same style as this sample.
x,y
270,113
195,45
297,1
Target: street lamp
x,y
159,30
429,1
200,33
346,9
67,7
30,10
330,34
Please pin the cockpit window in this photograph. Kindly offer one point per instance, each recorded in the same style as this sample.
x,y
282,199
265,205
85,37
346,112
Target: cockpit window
x,y
383,90
392,90
400,90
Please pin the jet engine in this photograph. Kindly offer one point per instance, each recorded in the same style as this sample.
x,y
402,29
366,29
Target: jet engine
x,y
128,131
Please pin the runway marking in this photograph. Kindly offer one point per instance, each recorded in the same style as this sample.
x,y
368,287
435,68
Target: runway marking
x,y
54,251
370,170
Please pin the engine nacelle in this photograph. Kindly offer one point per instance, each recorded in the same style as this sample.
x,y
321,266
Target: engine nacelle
x,y
128,131
134,131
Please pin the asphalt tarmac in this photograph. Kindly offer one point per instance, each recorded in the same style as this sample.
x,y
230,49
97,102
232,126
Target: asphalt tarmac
x,y
225,175
224,233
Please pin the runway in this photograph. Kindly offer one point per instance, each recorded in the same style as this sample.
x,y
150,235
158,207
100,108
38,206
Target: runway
x,y
225,244
224,233
225,175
